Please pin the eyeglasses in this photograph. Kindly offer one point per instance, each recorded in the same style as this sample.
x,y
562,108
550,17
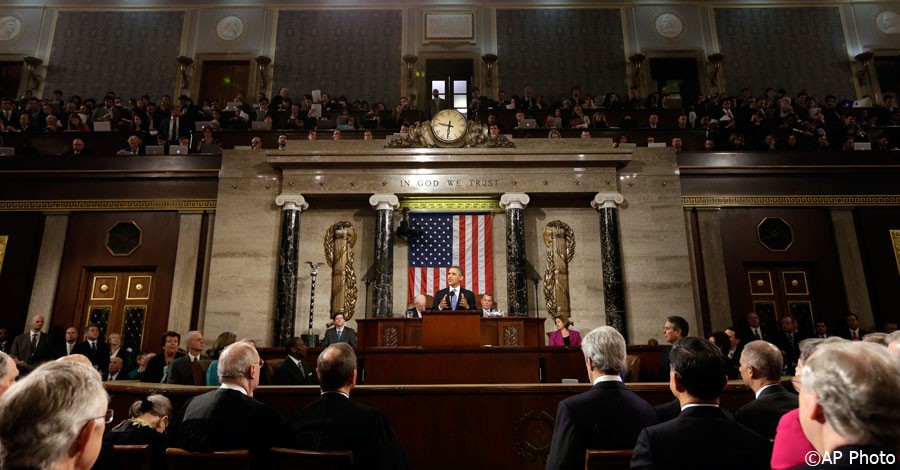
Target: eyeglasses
x,y
107,418
261,363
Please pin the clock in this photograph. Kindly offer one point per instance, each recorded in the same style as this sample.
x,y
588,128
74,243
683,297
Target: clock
x,y
449,127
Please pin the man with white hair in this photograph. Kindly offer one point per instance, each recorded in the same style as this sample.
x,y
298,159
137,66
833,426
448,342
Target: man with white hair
x,y
54,418
8,372
229,418
850,405
608,416
418,307
761,364
187,370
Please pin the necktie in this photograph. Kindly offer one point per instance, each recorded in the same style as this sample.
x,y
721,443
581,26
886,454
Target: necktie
x,y
454,299
756,333
34,339
791,339
94,347
339,333
197,369
855,336
300,366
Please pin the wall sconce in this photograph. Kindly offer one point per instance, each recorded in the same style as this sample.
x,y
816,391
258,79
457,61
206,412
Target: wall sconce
x,y
33,81
489,60
183,63
864,58
261,63
637,61
716,59
410,60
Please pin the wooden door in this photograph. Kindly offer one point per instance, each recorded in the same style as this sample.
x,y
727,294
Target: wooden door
x,y
451,78
780,291
119,302
222,79
10,79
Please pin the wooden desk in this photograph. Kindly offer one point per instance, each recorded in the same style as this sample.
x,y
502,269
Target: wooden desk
x,y
451,328
405,332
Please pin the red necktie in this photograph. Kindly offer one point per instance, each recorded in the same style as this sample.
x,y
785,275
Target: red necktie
x,y
855,336
756,334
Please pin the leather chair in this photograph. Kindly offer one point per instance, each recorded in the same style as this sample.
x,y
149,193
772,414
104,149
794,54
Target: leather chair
x,y
632,368
180,459
288,459
134,457
595,459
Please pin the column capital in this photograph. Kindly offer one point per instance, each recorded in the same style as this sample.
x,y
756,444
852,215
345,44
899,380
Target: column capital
x,y
514,201
292,202
607,200
384,201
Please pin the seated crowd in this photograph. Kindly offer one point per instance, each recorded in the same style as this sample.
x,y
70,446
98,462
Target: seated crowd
x,y
844,401
773,121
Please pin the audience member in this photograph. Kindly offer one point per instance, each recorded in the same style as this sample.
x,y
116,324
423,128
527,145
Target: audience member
x,y
850,405
822,330
69,342
224,339
853,331
563,336
674,329
229,418
157,370
32,347
339,333
94,348
54,418
294,370
608,416
9,372
187,369
146,425
789,343
114,370
761,364
135,147
334,422
702,436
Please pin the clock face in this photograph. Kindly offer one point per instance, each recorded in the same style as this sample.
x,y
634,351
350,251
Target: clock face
x,y
449,126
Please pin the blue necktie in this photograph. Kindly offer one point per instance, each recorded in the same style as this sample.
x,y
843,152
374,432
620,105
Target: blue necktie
x,y
453,299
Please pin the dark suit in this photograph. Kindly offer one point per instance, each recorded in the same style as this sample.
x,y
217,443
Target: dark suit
x,y
181,371
791,349
288,373
413,313
225,419
100,358
847,334
746,334
5,346
700,438
347,336
156,367
608,416
470,298
334,422
762,415
184,129
21,348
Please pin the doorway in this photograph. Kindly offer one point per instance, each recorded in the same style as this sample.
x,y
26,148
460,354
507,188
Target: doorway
x,y
221,80
679,77
10,79
887,69
118,302
780,291
452,78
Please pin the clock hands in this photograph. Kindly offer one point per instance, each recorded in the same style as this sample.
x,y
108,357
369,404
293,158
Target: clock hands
x,y
448,125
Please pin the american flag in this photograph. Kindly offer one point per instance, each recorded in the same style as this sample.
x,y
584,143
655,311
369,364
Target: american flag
x,y
448,239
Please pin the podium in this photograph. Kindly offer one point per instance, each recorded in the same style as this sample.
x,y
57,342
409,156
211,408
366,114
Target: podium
x,y
451,328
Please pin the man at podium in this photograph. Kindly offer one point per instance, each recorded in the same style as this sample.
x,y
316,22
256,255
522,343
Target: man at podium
x,y
454,297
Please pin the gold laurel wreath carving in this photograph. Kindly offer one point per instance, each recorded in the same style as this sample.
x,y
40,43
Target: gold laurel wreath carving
x,y
349,275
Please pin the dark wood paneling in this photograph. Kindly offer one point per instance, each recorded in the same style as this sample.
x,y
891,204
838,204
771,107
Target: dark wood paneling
x,y
480,426
882,270
813,248
19,265
85,250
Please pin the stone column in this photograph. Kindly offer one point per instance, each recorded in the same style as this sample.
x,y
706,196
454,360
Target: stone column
x,y
383,296
50,258
186,253
611,258
516,285
288,269
852,270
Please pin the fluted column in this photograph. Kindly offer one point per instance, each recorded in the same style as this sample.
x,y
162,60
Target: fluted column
x,y
516,289
286,303
611,258
383,296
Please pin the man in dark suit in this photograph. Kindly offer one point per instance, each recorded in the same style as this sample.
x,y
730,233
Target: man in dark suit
x,y
186,370
674,329
418,307
294,370
850,405
608,416
94,348
78,149
340,333
436,103
702,436
753,330
789,343
68,344
454,297
174,127
853,332
761,365
334,422
822,330
115,370
229,418
32,347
